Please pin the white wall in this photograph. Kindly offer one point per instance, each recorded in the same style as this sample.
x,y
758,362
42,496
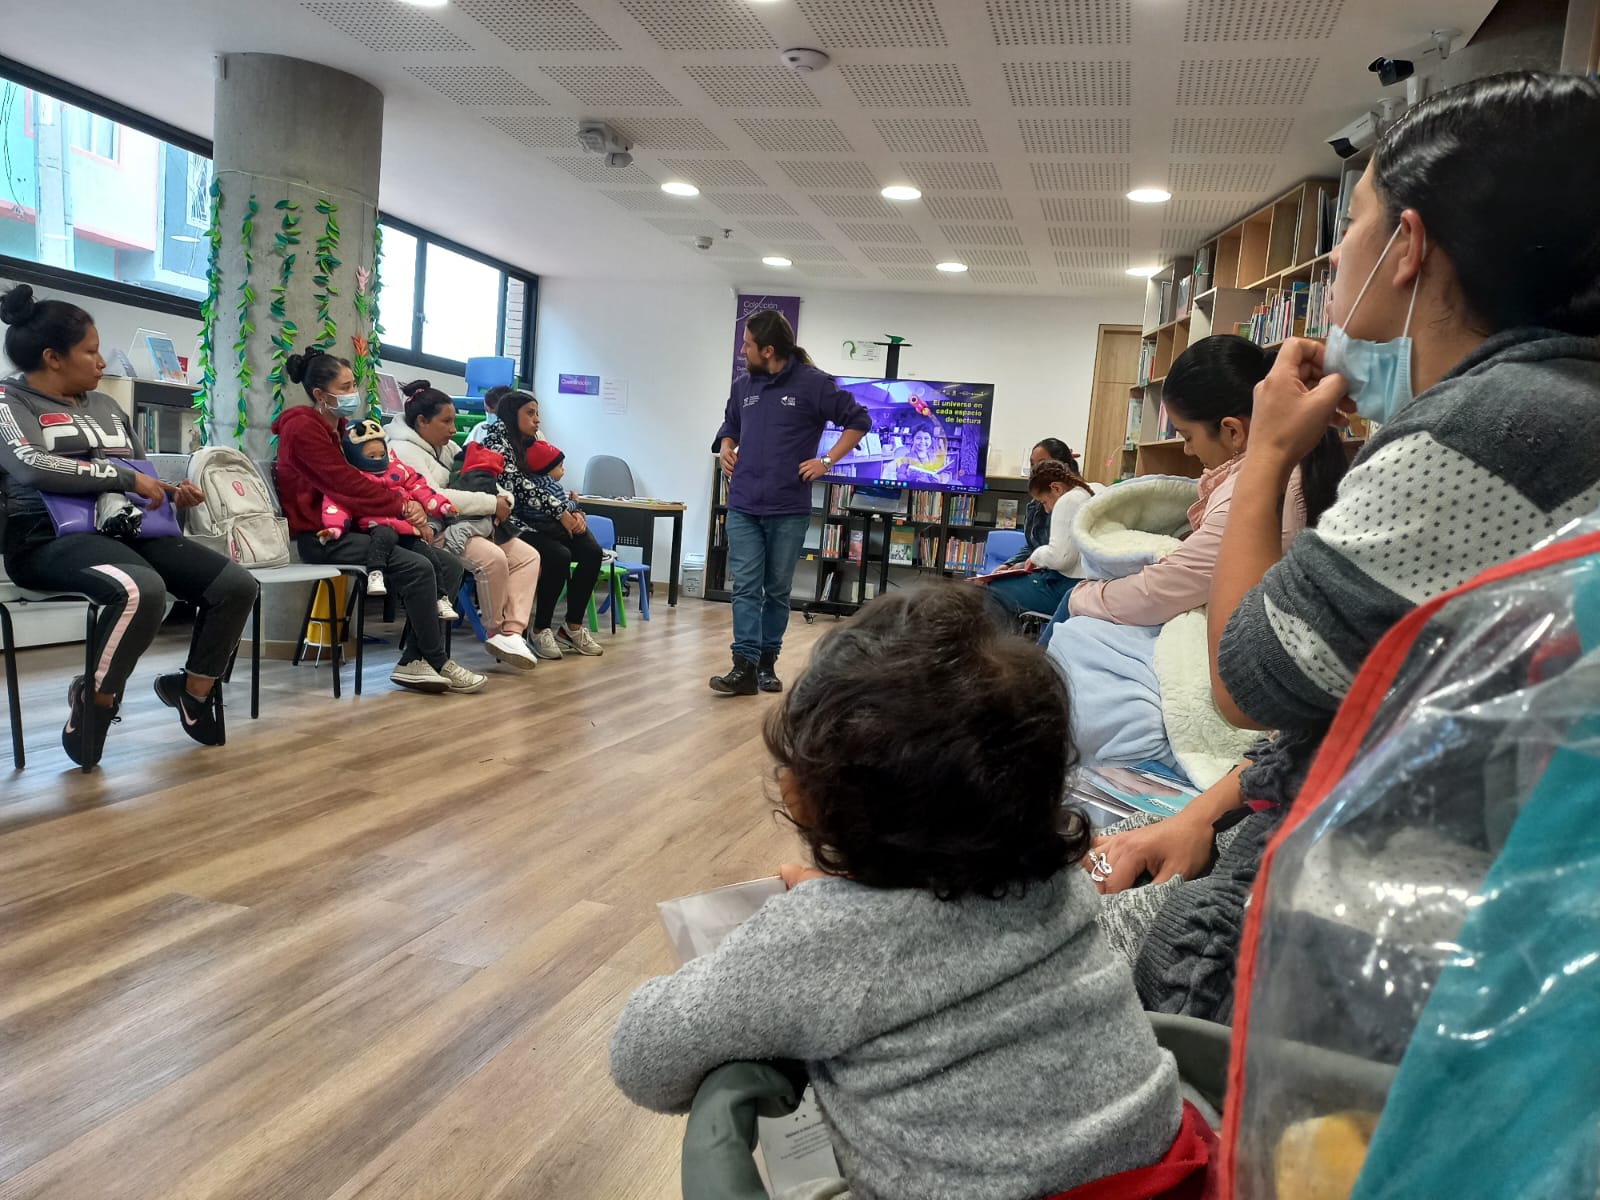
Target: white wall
x,y
673,344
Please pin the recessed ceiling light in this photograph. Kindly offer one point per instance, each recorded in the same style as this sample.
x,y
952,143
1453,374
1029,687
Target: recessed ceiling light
x,y
1149,195
1143,272
777,260
678,188
952,268
901,191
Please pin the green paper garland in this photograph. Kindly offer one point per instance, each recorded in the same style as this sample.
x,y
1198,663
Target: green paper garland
x,y
288,235
208,316
374,356
247,297
327,264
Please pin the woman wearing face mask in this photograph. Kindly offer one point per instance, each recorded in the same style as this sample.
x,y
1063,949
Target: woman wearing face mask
x,y
313,471
1467,307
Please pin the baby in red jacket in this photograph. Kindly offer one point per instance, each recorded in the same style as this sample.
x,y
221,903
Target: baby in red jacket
x,y
366,449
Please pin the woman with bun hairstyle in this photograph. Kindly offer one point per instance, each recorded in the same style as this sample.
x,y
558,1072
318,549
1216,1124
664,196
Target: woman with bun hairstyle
x,y
57,434
313,472
507,572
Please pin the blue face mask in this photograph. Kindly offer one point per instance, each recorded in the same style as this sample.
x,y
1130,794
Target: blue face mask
x,y
1377,374
348,405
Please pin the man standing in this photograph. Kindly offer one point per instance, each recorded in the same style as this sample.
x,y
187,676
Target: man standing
x,y
774,422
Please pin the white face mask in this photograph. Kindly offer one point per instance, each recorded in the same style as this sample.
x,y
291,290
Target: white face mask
x,y
1377,375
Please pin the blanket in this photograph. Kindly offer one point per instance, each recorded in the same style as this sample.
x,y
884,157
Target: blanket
x,y
1206,745
1126,528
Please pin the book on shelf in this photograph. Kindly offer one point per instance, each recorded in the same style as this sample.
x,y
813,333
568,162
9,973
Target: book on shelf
x,y
1135,423
1005,514
927,506
961,509
1147,354
902,546
1185,295
1165,429
858,545
839,497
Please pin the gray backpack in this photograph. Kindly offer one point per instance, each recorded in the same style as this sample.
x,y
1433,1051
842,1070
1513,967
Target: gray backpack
x,y
239,517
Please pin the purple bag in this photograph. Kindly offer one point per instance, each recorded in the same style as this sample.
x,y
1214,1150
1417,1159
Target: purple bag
x,y
75,512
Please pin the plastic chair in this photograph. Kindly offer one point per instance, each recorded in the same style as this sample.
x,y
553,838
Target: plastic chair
x,y
10,594
1000,545
467,604
607,475
605,532
489,371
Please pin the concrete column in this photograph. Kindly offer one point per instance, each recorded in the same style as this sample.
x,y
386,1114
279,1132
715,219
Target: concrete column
x,y
304,141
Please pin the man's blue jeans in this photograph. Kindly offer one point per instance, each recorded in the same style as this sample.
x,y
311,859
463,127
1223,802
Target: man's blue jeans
x,y
762,555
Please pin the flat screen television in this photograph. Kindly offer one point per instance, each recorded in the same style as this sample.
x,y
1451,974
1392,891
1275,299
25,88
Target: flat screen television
x,y
926,436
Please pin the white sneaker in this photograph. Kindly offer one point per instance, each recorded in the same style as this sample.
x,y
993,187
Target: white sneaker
x,y
419,677
512,649
579,640
447,611
458,679
546,646
375,584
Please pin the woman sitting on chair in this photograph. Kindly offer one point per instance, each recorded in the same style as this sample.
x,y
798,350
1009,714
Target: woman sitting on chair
x,y
63,437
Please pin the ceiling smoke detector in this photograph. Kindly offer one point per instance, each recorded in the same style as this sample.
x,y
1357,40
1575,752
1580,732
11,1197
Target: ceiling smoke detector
x,y
805,62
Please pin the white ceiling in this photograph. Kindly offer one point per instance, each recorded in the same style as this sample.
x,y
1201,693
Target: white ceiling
x,y
1023,121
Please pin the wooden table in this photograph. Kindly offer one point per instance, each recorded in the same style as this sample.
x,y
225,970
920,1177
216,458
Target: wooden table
x,y
638,517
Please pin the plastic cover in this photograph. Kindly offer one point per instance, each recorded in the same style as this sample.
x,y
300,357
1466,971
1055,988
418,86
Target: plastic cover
x,y
1423,966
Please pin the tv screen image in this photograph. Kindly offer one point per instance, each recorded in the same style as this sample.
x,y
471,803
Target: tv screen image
x,y
925,435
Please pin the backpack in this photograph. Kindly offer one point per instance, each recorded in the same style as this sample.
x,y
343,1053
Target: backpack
x,y
239,517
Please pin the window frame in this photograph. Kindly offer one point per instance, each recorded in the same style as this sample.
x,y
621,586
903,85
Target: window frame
x,y
114,290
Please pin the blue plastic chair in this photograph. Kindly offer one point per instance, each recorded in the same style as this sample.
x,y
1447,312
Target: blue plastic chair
x,y
1000,545
605,532
490,371
467,605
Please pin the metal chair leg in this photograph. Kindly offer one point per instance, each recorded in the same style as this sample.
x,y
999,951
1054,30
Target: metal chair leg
x,y
19,757
89,689
255,659
305,624
358,597
333,631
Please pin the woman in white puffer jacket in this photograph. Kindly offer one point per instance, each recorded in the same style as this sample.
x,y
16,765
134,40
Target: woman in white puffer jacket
x,y
507,574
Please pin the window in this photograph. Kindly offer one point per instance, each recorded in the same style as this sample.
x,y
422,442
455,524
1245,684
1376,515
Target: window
x,y
442,304
87,194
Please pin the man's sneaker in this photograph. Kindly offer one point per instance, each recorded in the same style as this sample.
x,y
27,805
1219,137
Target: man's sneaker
x,y
578,641
767,673
546,646
199,717
419,677
512,649
375,584
447,611
458,679
741,681
84,709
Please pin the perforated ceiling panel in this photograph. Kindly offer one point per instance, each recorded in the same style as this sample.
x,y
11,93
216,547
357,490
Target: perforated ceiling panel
x,y
1213,214
982,235
968,208
651,201
591,168
1253,81
683,225
1088,84
1093,279
1253,21
539,132
388,28
1103,260
1053,23
699,25
753,87
1076,135
1175,241
669,133
1228,136
1089,237
953,176
878,25
752,204
878,231
1220,177
791,231
479,85
1080,176
613,87
907,85
863,208
713,172
912,274
990,275
550,26
932,135
796,135
897,254
983,256
830,173
1089,212
805,255
831,272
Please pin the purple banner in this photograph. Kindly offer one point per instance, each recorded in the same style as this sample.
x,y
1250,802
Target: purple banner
x,y
579,385
746,308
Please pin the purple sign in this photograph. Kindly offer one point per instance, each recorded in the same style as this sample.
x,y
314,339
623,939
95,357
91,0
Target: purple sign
x,y
579,385
746,308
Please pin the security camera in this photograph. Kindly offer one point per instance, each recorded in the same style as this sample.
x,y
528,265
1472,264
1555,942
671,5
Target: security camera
x,y
1392,70
619,158
703,242
1359,135
599,137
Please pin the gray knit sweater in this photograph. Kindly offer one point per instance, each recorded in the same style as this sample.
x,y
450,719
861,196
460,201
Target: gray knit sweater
x,y
1498,455
987,1049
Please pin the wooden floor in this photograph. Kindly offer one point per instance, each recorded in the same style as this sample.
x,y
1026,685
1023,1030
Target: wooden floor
x,y
372,947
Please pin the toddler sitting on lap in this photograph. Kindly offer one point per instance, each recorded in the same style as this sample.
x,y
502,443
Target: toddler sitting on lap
x,y
939,970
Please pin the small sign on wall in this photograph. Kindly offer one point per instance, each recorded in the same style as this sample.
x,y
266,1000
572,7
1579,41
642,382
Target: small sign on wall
x,y
578,385
614,396
862,350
